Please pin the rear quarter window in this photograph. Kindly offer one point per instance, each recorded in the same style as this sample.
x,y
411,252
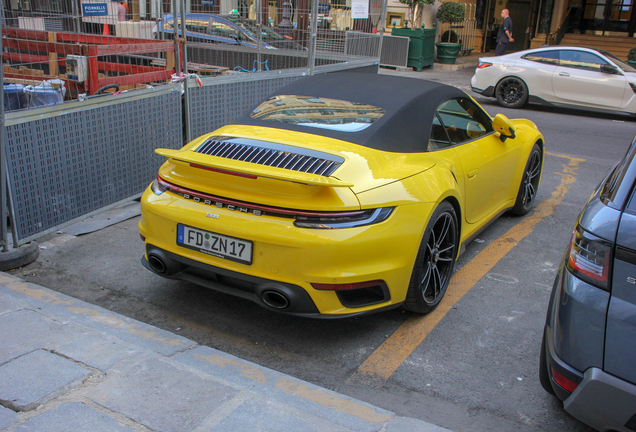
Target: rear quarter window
x,y
548,57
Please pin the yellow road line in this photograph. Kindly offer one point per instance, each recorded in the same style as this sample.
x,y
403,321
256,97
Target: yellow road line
x,y
385,360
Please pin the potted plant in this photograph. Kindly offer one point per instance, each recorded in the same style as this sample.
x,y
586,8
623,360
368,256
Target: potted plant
x,y
449,36
421,40
450,13
631,57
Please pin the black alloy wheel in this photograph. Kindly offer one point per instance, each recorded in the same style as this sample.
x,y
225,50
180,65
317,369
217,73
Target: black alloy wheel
x,y
512,92
529,183
435,261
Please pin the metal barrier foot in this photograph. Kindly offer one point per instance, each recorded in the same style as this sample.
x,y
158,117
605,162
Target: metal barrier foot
x,y
23,255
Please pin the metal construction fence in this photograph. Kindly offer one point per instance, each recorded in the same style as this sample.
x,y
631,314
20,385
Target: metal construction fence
x,y
72,49
90,90
65,162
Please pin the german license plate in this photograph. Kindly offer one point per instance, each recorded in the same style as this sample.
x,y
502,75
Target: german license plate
x,y
218,245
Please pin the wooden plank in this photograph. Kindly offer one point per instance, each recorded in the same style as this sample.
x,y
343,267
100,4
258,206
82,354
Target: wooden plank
x,y
99,39
53,65
37,46
202,69
135,48
170,60
124,80
22,33
25,58
93,70
127,68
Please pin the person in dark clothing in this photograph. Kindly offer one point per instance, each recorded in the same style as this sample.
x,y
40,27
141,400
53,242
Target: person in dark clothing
x,y
504,36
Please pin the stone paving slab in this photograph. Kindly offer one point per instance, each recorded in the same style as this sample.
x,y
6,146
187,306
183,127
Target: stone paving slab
x,y
298,394
7,304
36,378
99,351
263,415
22,332
162,397
7,417
73,310
149,379
71,416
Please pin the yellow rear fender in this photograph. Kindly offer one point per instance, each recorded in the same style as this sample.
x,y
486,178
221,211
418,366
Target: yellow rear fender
x,y
431,186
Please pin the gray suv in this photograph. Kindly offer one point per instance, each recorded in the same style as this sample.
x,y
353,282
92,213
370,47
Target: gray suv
x,y
588,353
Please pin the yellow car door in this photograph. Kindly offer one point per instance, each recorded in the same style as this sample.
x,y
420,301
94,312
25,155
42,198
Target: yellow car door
x,y
488,165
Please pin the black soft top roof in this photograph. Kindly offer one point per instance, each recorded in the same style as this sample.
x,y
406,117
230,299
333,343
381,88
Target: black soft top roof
x,y
409,106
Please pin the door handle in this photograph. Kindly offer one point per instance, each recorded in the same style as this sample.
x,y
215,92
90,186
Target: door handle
x,y
565,74
472,173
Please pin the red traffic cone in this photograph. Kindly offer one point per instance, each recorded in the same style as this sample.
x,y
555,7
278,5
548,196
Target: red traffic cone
x,y
106,31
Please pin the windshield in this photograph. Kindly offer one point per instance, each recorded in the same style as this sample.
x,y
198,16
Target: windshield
x,y
316,112
620,63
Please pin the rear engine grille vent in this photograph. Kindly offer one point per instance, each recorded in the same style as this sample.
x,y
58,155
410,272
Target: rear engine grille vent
x,y
270,154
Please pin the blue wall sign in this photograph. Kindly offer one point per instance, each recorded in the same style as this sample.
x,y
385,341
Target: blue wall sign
x,y
94,9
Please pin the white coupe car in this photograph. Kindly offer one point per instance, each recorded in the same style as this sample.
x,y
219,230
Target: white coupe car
x,y
559,75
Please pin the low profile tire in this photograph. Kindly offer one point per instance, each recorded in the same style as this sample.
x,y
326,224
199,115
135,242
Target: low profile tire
x,y
434,262
511,92
544,376
529,183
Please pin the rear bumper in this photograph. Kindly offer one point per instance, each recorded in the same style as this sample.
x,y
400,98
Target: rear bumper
x,y
604,402
274,295
488,91
296,256
601,400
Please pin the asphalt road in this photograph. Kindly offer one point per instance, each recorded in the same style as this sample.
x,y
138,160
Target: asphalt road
x,y
473,368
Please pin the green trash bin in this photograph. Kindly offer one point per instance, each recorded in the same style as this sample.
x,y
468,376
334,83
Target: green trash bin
x,y
421,46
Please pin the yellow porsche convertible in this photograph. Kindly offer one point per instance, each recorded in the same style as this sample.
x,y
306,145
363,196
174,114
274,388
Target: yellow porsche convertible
x,y
341,194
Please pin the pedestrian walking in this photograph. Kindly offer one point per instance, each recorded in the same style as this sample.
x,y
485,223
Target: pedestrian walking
x,y
504,36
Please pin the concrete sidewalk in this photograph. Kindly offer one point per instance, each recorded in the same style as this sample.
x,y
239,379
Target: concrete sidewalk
x,y
66,365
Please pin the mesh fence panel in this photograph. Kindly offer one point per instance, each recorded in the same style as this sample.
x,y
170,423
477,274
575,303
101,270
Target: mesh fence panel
x,y
69,164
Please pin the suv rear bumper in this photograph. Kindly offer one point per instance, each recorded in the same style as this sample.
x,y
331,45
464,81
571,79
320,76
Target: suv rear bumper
x,y
604,402
600,400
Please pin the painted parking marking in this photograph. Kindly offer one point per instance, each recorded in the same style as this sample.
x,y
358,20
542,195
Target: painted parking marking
x,y
385,360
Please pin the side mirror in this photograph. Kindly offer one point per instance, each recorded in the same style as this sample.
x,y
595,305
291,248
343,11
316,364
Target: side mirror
x,y
504,126
609,69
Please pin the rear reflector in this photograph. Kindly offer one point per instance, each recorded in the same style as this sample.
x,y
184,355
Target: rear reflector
x,y
143,239
482,65
350,286
563,382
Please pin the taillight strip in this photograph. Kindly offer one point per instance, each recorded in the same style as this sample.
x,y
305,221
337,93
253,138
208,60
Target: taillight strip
x,y
271,210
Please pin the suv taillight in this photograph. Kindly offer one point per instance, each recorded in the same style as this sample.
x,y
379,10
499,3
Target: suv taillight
x,y
589,258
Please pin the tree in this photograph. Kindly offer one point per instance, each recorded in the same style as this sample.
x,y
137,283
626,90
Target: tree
x,y
415,7
451,13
